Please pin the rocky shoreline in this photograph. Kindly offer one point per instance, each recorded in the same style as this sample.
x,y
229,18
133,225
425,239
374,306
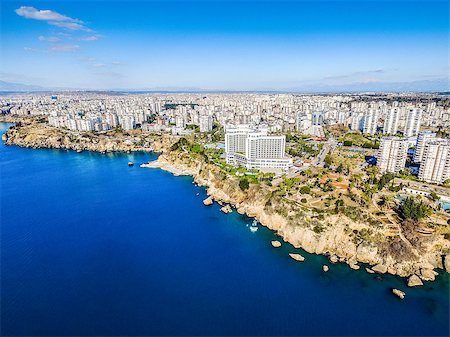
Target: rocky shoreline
x,y
32,133
335,239
334,235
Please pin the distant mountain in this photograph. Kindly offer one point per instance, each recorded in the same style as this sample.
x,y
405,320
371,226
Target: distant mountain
x,y
15,87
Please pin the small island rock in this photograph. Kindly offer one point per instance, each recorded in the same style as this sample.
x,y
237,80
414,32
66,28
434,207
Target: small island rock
x,y
370,271
325,268
276,243
296,257
400,294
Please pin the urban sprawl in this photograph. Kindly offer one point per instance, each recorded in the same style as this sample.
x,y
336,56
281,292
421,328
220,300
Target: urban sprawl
x,y
407,133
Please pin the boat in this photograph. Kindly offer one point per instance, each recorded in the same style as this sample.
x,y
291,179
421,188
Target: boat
x,y
254,226
130,163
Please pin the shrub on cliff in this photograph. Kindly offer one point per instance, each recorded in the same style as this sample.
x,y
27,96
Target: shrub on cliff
x,y
414,210
244,184
179,144
305,189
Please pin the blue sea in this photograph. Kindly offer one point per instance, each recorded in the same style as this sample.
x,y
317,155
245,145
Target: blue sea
x,y
90,246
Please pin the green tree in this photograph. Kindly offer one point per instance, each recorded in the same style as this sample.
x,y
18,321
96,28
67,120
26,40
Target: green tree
x,y
414,210
244,184
305,189
434,196
328,161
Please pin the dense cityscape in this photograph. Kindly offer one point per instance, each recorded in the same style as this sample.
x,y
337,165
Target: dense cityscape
x,y
410,132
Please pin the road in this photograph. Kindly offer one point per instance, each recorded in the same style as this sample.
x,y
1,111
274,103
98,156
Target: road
x,y
329,146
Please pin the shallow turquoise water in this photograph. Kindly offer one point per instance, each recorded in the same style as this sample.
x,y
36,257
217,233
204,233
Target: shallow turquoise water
x,y
90,246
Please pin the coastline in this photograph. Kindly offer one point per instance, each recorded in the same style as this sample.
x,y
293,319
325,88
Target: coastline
x,y
333,242
35,133
331,234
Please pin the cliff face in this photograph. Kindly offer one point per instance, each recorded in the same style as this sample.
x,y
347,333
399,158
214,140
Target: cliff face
x,y
334,235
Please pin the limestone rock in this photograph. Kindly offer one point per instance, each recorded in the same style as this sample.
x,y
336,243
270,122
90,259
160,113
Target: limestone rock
x,y
276,243
226,209
370,271
325,268
447,263
400,294
379,268
428,274
333,259
414,281
208,201
354,266
297,257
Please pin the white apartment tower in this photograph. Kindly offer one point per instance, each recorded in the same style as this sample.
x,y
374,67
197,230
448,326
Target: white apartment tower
x,y
391,122
206,123
370,122
392,154
422,139
412,124
435,165
357,121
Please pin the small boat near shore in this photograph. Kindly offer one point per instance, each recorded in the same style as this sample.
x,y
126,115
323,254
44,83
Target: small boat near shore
x,y
254,226
130,163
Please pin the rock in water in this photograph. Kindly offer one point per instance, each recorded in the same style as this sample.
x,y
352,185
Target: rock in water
x,y
276,243
379,268
325,268
414,281
354,266
400,294
208,201
370,271
296,257
226,209
333,259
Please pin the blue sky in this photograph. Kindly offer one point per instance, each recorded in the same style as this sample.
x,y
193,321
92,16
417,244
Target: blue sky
x,y
238,45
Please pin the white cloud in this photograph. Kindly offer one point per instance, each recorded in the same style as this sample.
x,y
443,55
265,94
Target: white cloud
x,y
50,39
64,48
89,38
52,18
99,65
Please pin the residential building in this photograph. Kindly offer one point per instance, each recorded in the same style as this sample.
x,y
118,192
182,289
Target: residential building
x,y
392,154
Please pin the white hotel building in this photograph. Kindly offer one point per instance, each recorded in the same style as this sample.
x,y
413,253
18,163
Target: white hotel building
x,y
255,149
392,154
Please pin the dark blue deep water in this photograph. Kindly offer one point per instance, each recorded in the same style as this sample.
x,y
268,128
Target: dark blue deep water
x,y
90,246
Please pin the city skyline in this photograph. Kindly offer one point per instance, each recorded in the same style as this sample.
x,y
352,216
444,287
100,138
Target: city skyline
x,y
241,45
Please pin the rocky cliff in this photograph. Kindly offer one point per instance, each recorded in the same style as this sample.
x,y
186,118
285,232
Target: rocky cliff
x,y
334,235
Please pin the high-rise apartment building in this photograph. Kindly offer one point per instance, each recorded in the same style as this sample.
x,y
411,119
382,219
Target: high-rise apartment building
x,y
206,123
413,120
435,165
392,154
357,121
422,139
370,122
391,122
